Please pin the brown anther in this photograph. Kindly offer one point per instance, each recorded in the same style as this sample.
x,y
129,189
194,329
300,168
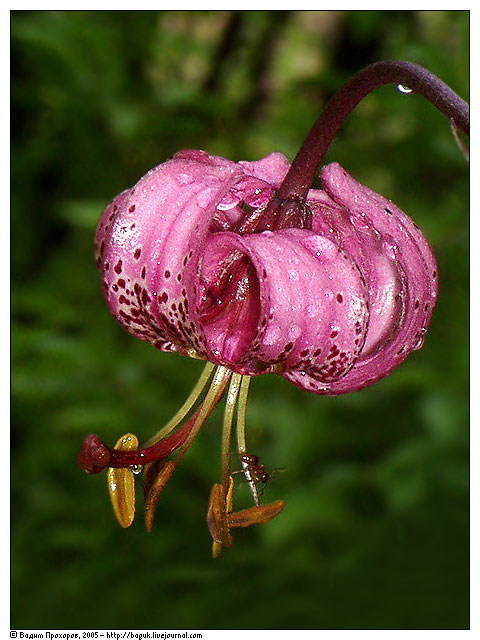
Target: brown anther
x,y
255,515
154,481
217,519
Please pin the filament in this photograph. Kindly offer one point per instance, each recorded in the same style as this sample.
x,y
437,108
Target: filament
x,y
185,408
242,413
227,428
242,445
217,387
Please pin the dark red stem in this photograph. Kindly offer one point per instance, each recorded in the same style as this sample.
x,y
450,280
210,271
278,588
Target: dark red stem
x,y
299,179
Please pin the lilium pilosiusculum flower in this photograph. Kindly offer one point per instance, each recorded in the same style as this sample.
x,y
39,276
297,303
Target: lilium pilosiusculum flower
x,y
332,295
332,309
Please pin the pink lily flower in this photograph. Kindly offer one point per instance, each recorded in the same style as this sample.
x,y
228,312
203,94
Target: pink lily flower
x,y
208,258
332,308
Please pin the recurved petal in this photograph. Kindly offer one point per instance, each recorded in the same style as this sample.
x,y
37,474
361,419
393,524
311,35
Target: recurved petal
x,y
398,266
148,243
149,240
306,304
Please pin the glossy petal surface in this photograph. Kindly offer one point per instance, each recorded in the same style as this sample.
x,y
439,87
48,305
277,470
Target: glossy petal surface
x,y
332,309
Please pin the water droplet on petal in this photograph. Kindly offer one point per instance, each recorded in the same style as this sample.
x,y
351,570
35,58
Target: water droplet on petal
x,y
403,89
293,275
295,331
359,222
390,248
257,198
228,201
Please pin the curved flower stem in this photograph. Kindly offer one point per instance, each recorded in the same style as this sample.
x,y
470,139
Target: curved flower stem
x,y
299,178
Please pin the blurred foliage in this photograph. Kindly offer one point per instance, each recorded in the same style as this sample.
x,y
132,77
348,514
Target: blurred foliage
x,y
375,532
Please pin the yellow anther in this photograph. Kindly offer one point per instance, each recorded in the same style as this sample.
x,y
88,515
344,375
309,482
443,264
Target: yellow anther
x,y
121,484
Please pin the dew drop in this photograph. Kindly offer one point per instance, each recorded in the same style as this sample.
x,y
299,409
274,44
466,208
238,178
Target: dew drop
x,y
295,331
404,89
228,202
136,469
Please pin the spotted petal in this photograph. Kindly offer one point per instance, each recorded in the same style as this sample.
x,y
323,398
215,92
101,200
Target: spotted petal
x,y
149,240
396,262
332,309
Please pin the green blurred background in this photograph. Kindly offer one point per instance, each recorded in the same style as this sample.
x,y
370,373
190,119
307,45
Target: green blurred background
x,y
375,531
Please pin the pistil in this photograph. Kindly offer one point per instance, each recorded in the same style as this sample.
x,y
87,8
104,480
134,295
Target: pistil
x,y
95,455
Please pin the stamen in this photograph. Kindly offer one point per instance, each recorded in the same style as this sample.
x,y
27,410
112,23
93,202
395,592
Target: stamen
x,y
155,481
255,515
121,484
242,413
219,382
242,446
217,519
94,454
227,428
188,404
153,490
